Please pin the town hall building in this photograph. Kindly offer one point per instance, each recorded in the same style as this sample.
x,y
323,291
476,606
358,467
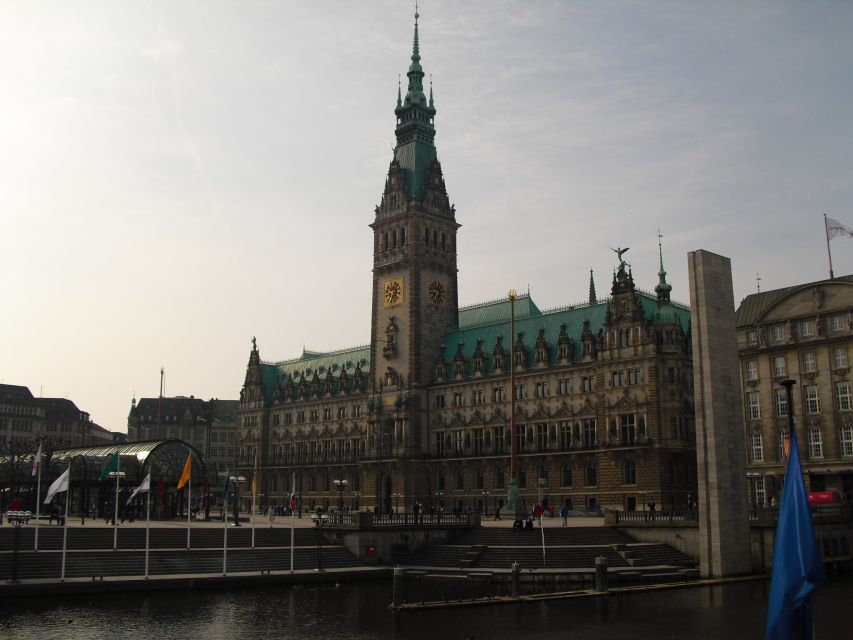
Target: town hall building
x,y
603,392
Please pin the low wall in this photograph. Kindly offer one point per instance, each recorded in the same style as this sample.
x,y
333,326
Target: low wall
x,y
682,538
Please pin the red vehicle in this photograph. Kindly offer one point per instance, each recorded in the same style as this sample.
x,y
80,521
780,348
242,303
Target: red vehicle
x,y
824,498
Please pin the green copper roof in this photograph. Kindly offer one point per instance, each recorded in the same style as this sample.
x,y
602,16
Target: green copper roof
x,y
529,320
314,361
415,150
496,311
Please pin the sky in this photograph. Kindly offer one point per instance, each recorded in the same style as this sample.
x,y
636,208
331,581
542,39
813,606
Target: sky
x,y
179,176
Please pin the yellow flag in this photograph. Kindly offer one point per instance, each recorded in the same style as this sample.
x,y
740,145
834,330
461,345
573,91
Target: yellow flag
x,y
185,476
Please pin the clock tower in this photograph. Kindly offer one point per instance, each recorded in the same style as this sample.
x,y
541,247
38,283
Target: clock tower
x,y
414,272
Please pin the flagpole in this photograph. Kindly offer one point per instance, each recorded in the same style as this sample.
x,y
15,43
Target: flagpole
x,y
291,540
147,525
115,515
225,524
38,507
254,485
189,509
65,524
829,253
290,505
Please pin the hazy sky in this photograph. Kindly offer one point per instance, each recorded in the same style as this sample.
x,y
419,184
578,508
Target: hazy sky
x,y
176,177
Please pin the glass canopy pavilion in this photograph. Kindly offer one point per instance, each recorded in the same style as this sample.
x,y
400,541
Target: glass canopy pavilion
x,y
165,460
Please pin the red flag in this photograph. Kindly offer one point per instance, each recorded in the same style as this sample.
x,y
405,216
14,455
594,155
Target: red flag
x,y
293,494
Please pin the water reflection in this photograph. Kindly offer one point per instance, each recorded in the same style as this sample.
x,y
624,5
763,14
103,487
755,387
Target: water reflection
x,y
359,612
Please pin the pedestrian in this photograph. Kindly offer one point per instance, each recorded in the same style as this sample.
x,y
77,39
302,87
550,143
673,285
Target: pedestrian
x,y
16,504
564,514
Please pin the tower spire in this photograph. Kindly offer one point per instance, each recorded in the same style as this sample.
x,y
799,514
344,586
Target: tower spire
x,y
593,299
663,287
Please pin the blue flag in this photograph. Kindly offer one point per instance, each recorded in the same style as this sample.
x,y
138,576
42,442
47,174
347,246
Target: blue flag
x,y
797,564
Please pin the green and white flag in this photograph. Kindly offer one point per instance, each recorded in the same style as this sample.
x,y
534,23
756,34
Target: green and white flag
x,y
112,465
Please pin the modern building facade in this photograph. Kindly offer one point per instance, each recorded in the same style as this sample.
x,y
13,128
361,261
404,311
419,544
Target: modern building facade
x,y
604,406
803,333
210,426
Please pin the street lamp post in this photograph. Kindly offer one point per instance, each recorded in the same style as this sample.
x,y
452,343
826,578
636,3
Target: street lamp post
x,y
18,519
513,501
237,480
438,495
341,485
396,495
485,502
117,475
357,495
320,519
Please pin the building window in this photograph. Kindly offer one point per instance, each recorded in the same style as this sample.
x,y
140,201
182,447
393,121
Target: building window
x,y
587,384
542,436
327,413
842,396
498,394
806,328
439,443
777,333
617,378
780,367
499,478
839,358
541,389
815,444
356,410
566,475
342,413
757,447
812,399
753,407
781,397
565,386
589,433
847,441
759,493
458,441
629,472
519,392
751,370
439,402
809,362
520,430
628,423
565,435
458,400
635,376
751,338
477,397
784,442
478,442
836,322
590,475
500,439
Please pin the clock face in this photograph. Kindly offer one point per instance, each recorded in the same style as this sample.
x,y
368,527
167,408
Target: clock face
x,y
392,292
436,292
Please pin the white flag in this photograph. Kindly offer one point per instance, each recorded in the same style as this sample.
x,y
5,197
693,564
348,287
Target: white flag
x,y
59,485
835,229
37,461
142,488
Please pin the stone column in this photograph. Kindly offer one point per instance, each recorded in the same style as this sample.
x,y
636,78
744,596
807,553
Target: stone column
x,y
721,455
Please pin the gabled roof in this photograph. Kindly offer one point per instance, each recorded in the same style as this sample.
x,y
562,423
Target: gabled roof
x,y
310,362
151,409
753,307
58,408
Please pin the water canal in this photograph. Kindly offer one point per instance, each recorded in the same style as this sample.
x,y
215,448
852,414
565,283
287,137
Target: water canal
x,y
359,612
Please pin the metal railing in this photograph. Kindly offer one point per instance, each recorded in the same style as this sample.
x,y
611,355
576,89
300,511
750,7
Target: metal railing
x,y
821,513
652,518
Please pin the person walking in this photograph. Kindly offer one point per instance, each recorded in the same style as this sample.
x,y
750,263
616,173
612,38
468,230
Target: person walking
x,y
564,514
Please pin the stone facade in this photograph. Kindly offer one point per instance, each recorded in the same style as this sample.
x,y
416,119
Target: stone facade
x,y
803,333
210,426
604,411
